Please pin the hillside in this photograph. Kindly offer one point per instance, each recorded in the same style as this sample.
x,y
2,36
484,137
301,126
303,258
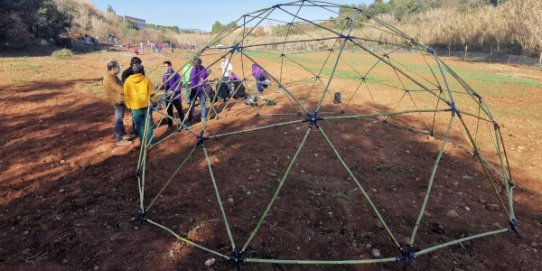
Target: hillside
x,y
41,22
504,26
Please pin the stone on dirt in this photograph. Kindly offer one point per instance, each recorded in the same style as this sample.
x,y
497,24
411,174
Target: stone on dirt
x,y
452,214
210,262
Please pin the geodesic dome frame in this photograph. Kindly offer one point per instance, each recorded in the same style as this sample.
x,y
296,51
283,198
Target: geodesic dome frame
x,y
360,33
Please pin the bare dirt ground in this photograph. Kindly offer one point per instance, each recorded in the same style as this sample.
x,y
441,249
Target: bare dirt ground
x,y
69,200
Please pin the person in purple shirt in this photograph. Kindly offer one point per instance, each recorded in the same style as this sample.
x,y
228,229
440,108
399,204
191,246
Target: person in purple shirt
x,y
198,78
234,77
172,84
260,76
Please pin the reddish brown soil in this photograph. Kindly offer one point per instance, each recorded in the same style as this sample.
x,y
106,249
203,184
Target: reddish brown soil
x,y
69,200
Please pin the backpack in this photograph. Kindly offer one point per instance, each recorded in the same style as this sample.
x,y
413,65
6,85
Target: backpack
x,y
223,90
337,98
210,92
238,90
251,100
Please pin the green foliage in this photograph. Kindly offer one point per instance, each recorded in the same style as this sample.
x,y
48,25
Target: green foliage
x,y
27,21
219,27
283,29
163,28
130,25
466,4
162,37
62,53
110,9
403,9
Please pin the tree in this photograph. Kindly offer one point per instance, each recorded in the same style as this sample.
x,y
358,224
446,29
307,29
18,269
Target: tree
x,y
110,9
30,20
217,27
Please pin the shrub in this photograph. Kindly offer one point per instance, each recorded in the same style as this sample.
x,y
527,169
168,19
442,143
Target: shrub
x,y
62,53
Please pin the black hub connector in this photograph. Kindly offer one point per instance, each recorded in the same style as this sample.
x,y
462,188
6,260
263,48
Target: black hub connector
x,y
347,37
236,48
137,174
313,119
515,227
237,258
496,126
454,109
408,253
142,217
201,139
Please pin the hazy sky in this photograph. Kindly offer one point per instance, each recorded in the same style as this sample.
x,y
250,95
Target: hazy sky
x,y
200,14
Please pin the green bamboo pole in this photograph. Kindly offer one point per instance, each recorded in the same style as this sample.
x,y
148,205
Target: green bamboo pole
x,y
316,262
219,200
364,116
180,123
506,173
395,67
143,145
188,241
398,102
431,249
171,178
277,191
337,62
484,167
360,187
430,184
280,84
255,129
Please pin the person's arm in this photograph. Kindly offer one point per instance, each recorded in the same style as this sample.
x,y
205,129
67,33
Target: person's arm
x,y
125,75
127,95
164,82
176,83
117,89
150,91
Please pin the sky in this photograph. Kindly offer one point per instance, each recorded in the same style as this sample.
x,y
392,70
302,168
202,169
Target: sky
x,y
198,14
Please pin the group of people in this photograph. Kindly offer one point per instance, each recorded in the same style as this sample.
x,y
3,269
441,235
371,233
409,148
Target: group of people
x,y
136,92
154,47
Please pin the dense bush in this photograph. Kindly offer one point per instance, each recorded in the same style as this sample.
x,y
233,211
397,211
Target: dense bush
x,y
62,53
27,21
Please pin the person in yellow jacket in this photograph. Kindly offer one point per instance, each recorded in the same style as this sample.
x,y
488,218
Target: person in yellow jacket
x,y
137,90
114,93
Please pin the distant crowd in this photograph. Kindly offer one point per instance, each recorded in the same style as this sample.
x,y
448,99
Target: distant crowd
x,y
135,91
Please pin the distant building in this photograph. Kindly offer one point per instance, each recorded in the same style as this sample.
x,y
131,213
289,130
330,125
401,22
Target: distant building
x,y
140,22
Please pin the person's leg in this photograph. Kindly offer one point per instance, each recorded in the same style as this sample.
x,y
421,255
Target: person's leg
x,y
187,94
140,117
202,99
169,106
139,121
119,123
148,136
226,82
192,104
259,86
179,107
